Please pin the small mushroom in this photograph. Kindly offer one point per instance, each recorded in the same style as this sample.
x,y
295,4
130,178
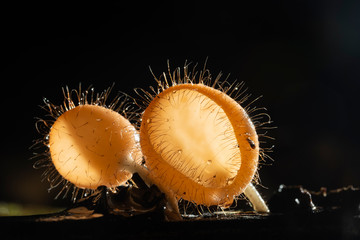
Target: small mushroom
x,y
88,143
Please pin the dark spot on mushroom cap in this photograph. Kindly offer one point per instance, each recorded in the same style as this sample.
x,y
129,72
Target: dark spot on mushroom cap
x,y
251,142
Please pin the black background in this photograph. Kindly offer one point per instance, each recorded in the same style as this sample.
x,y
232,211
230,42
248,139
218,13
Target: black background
x,y
302,56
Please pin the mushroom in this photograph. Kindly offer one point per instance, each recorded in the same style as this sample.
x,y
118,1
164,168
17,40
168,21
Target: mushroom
x,y
88,143
199,144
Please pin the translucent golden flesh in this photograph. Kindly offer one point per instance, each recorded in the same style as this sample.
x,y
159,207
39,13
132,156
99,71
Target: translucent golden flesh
x,y
90,145
195,137
199,143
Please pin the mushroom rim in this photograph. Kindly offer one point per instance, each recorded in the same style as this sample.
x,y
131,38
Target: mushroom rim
x,y
244,131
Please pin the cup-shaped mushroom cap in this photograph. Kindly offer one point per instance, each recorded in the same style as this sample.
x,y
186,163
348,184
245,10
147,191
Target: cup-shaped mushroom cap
x,y
91,146
199,143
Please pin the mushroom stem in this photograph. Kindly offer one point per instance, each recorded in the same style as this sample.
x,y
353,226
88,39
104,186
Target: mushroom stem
x,y
255,198
172,212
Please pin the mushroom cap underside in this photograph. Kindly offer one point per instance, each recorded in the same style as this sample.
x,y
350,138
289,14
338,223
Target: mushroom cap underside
x,y
200,143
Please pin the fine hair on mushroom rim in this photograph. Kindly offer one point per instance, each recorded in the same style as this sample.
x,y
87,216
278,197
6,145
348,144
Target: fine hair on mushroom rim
x,y
120,105
184,78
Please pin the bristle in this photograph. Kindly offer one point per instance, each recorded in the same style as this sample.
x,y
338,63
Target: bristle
x,y
236,90
121,103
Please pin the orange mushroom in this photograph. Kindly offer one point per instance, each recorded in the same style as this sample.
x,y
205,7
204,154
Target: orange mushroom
x,y
199,144
89,144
